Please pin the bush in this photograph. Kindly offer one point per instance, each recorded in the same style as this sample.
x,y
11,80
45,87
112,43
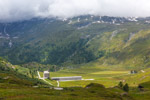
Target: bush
x,y
120,85
126,87
95,85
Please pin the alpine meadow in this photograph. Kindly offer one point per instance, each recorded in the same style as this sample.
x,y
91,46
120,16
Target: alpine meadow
x,y
74,50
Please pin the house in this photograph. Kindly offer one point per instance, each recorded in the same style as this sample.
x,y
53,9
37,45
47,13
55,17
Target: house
x,y
133,71
67,78
46,75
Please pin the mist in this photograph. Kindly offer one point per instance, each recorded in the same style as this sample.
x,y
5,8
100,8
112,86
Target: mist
x,y
17,10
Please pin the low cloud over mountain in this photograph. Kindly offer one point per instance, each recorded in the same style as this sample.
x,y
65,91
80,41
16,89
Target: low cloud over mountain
x,y
15,10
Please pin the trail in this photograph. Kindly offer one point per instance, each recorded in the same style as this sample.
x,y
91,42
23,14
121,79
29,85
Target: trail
x,y
39,76
57,83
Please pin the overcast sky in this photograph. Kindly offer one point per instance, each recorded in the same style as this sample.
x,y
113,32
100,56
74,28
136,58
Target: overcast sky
x,y
14,10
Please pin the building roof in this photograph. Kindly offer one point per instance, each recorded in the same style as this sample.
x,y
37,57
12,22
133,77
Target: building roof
x,y
68,77
46,72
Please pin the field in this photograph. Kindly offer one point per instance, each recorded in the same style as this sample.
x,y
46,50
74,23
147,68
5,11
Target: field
x,y
14,86
108,78
17,89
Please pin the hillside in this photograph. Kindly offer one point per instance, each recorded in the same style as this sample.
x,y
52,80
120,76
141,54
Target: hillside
x,y
15,75
83,39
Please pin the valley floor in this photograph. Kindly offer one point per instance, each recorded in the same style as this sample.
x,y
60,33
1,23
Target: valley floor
x,y
90,75
109,78
81,90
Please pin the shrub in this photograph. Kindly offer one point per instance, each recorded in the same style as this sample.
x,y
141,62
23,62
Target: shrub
x,y
120,84
126,87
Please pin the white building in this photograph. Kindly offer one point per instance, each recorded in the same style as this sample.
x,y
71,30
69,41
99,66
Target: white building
x,y
46,75
67,78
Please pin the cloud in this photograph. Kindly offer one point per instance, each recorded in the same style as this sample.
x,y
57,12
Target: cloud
x,y
15,10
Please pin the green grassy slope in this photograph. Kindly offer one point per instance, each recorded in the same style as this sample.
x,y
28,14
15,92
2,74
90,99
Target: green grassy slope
x,y
120,51
51,41
15,75
94,92
16,86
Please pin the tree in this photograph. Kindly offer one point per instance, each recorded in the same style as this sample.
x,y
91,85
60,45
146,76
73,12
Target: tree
x,y
120,84
126,87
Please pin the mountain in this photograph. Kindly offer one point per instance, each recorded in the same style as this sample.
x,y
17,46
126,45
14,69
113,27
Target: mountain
x,y
83,39
105,48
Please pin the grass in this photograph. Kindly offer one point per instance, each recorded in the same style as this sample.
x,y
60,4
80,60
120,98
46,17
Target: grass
x,y
138,78
102,76
111,72
108,78
94,92
14,88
